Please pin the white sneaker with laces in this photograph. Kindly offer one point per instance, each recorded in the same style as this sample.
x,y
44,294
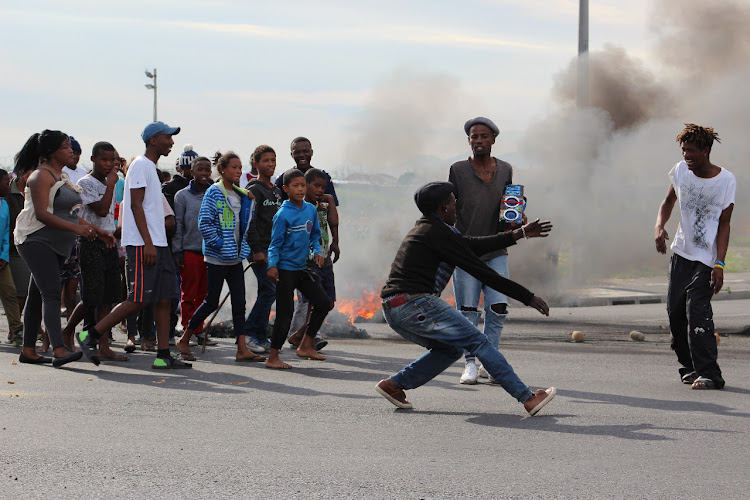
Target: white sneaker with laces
x,y
469,376
255,348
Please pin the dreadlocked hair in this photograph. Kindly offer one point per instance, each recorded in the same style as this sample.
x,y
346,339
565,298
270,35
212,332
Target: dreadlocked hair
x,y
703,137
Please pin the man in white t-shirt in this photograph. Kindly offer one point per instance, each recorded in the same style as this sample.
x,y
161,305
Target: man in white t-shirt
x,y
148,263
75,173
706,195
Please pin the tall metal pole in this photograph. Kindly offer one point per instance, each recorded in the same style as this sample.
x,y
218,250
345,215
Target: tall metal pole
x,y
155,91
576,265
152,86
583,54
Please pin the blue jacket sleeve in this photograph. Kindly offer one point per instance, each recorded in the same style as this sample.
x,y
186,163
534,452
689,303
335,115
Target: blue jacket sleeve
x,y
5,228
208,219
315,234
278,233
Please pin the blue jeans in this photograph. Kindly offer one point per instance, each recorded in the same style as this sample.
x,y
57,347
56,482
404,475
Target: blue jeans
x,y
467,290
257,321
436,325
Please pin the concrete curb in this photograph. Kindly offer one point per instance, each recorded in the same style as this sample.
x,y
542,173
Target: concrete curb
x,y
630,299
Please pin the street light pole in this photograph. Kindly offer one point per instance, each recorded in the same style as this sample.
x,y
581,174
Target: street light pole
x,y
583,54
576,265
152,86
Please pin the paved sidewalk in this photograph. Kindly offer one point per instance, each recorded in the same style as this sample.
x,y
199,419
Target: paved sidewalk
x,y
653,290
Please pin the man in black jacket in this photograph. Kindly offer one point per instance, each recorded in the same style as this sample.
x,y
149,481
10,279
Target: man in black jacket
x,y
413,308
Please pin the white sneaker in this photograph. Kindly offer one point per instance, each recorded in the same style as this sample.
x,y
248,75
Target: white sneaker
x,y
483,373
255,348
469,376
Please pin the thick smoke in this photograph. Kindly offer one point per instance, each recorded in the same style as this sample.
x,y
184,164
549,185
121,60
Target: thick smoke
x,y
601,173
402,118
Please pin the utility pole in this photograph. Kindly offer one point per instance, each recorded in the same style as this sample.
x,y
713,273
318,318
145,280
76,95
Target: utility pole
x,y
583,54
576,262
152,86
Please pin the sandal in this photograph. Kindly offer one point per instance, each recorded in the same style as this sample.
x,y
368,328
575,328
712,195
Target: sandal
x,y
254,357
707,384
188,356
689,378
148,346
114,357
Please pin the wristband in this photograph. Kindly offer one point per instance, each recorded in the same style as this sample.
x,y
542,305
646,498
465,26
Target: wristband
x,y
717,261
719,266
523,231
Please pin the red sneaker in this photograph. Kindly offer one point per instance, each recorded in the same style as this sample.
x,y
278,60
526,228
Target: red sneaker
x,y
540,398
393,393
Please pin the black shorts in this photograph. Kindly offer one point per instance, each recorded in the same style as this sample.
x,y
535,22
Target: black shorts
x,y
100,274
148,284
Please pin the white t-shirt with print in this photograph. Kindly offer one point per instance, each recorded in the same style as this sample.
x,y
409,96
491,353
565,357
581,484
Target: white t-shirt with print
x,y
93,191
142,174
701,203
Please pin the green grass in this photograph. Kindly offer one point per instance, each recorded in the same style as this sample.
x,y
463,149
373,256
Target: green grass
x,y
738,260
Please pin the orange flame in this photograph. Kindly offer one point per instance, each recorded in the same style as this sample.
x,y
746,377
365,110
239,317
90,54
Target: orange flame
x,y
364,307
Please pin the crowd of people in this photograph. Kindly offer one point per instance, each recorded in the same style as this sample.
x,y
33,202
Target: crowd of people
x,y
152,246
123,235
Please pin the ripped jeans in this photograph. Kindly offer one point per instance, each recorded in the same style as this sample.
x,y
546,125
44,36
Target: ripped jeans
x,y
467,290
437,326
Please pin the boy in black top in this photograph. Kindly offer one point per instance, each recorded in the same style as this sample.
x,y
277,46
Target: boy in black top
x,y
412,306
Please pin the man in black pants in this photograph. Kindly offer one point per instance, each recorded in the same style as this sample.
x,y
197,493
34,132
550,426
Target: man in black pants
x,y
706,195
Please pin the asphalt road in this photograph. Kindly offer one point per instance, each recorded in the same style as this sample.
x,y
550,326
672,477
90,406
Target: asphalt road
x,y
622,426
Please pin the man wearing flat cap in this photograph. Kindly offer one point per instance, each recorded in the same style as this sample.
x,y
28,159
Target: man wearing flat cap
x,y
148,262
480,183
413,308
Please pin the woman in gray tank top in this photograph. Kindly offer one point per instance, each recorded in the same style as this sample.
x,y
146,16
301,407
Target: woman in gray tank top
x,y
45,238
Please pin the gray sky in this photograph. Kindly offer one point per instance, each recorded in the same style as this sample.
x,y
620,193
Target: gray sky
x,y
370,83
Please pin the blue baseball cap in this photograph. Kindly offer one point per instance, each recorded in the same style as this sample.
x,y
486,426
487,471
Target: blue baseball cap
x,y
155,128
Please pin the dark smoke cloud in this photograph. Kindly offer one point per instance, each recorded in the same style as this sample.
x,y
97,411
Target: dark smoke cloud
x,y
702,40
619,84
601,173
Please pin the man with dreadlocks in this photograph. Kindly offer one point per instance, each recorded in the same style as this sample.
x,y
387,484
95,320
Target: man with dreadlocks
x,y
706,195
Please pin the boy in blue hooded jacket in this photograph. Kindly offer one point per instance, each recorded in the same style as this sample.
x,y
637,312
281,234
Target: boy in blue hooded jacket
x,y
295,235
223,220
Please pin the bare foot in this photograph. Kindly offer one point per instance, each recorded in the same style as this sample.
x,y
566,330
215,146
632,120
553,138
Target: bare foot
x,y
277,364
249,356
183,345
68,340
310,353
295,339
42,350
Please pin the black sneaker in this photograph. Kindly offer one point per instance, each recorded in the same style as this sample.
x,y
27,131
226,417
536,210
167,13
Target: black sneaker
x,y
170,363
87,343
